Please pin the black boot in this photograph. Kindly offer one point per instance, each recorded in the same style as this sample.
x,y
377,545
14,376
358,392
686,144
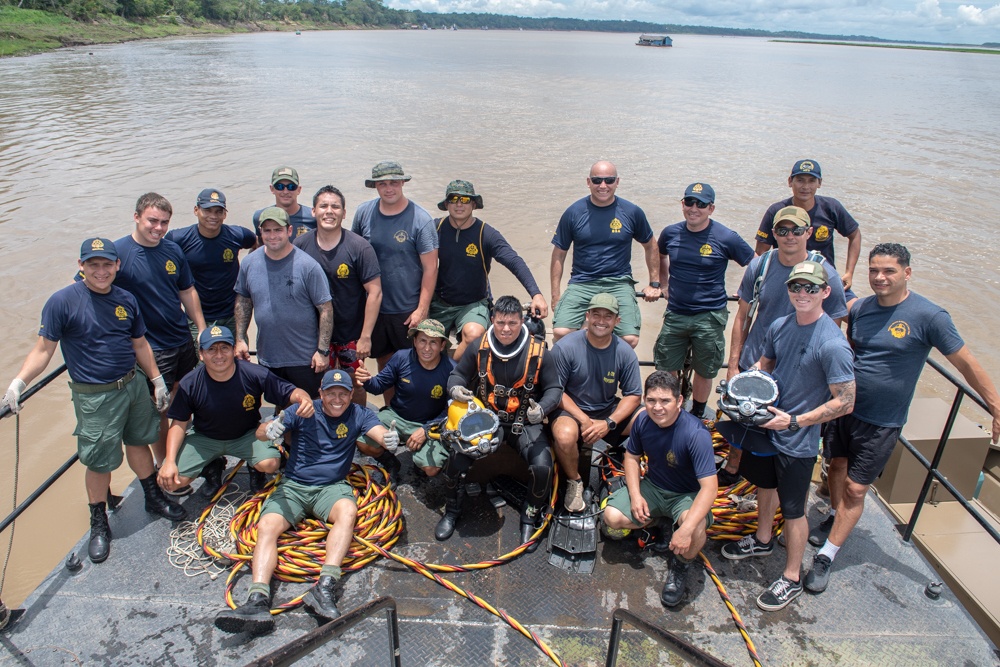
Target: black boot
x,y
322,598
258,480
157,503
673,587
390,464
213,477
529,525
253,616
100,534
452,509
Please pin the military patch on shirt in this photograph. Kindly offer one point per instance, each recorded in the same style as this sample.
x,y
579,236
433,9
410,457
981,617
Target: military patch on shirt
x,y
822,233
121,313
302,230
437,391
610,377
171,267
616,226
471,250
227,255
342,431
671,459
343,271
761,235
249,402
705,250
899,329
401,236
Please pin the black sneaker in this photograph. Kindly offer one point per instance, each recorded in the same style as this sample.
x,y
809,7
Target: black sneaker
x,y
747,547
818,535
322,598
727,478
253,616
779,594
673,587
817,579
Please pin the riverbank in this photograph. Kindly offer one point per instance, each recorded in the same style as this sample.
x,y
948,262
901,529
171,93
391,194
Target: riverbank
x,y
28,31
912,47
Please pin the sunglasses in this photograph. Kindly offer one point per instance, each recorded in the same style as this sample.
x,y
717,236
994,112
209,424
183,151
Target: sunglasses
x,y
291,187
785,231
608,180
691,201
456,199
808,288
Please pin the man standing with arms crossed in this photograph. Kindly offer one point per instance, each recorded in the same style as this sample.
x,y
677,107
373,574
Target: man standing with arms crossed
x,y
285,187
892,333
601,228
694,255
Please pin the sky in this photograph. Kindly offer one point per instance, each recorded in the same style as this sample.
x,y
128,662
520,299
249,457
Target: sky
x,y
922,20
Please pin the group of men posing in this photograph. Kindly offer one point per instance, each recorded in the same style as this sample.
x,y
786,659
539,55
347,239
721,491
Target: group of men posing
x,y
398,284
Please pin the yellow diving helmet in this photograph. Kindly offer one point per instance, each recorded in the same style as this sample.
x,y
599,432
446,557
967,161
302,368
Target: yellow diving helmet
x,y
471,429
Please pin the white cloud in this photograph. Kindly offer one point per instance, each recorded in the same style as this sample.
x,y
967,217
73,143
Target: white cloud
x,y
976,16
929,8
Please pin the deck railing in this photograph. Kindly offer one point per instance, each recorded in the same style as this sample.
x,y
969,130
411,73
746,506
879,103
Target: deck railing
x,y
676,645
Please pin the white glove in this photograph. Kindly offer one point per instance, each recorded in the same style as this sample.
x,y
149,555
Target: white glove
x,y
276,427
534,413
391,438
161,395
461,394
13,396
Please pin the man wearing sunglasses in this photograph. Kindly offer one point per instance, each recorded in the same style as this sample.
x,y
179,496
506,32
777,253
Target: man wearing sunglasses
x,y
467,247
763,284
813,366
826,215
694,256
285,187
601,228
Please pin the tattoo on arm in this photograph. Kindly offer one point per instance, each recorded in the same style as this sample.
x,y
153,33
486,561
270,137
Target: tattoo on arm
x,y
843,392
244,308
325,324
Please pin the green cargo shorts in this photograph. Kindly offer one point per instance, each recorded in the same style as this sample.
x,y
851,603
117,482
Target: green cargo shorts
x,y
572,306
660,502
432,455
704,332
199,450
455,317
293,500
107,419
404,426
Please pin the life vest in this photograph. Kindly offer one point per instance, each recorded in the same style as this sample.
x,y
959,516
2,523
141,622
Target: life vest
x,y
510,403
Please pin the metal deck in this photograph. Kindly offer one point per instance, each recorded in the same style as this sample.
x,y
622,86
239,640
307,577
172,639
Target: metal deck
x,y
136,609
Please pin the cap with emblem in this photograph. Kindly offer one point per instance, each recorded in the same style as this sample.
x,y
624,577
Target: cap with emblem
x,y
284,174
386,170
337,378
703,192
604,300
808,167
279,215
213,335
98,247
210,198
792,214
810,271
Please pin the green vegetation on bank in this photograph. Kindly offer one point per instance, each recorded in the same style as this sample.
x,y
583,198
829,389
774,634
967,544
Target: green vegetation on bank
x,y
916,47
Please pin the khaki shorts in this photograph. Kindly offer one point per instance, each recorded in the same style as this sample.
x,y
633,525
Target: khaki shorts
x,y
660,502
572,306
293,500
405,427
704,332
199,450
106,419
455,317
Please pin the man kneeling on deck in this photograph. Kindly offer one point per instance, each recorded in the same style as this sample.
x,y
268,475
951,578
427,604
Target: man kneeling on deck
x,y
223,397
680,482
314,482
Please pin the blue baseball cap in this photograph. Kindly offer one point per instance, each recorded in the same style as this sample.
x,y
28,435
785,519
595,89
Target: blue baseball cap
x,y
98,247
703,192
337,378
213,335
211,198
807,167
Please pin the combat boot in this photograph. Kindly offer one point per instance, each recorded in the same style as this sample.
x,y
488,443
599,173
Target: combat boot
x,y
322,598
253,616
157,503
213,477
452,509
676,583
100,534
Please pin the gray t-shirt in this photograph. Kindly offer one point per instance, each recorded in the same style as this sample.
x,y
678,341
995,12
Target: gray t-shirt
x,y
774,302
285,295
591,377
399,241
891,345
808,359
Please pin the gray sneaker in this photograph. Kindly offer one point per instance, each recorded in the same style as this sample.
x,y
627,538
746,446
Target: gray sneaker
x,y
818,535
817,579
573,502
747,547
779,594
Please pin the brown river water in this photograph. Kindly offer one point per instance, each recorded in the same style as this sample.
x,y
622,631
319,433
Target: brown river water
x,y
906,139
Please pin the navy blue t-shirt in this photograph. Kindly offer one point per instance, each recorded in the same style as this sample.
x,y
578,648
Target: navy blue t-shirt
x,y
421,395
891,345
95,331
678,455
348,267
592,377
227,410
827,215
601,237
698,263
323,446
301,222
215,264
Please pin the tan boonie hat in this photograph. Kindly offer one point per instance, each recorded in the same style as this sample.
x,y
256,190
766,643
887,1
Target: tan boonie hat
x,y
792,214
604,300
431,328
279,215
810,271
386,170
284,174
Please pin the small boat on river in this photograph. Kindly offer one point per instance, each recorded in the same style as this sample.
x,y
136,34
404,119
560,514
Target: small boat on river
x,y
654,40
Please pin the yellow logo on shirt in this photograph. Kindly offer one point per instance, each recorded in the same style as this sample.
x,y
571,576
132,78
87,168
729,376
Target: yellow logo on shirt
x,y
301,231
401,236
822,233
761,235
610,377
705,250
471,250
227,255
343,271
437,391
249,402
342,431
121,313
899,329
671,459
616,226
171,267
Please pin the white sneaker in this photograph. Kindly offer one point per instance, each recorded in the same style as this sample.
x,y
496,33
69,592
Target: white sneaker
x,y
573,501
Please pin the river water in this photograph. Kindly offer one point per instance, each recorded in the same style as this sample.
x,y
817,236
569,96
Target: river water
x,y
907,142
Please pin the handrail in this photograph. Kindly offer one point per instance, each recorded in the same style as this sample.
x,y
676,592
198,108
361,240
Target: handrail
x,y
679,647
42,488
34,389
303,646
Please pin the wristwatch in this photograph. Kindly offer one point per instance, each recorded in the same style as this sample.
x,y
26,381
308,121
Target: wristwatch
x,y
324,353
612,424
793,424
653,283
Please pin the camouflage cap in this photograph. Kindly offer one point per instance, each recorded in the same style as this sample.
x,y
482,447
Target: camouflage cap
x,y
808,270
792,214
386,170
431,328
463,189
284,174
604,300
279,215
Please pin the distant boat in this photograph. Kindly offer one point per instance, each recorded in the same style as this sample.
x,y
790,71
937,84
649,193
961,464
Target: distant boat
x,y
654,40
